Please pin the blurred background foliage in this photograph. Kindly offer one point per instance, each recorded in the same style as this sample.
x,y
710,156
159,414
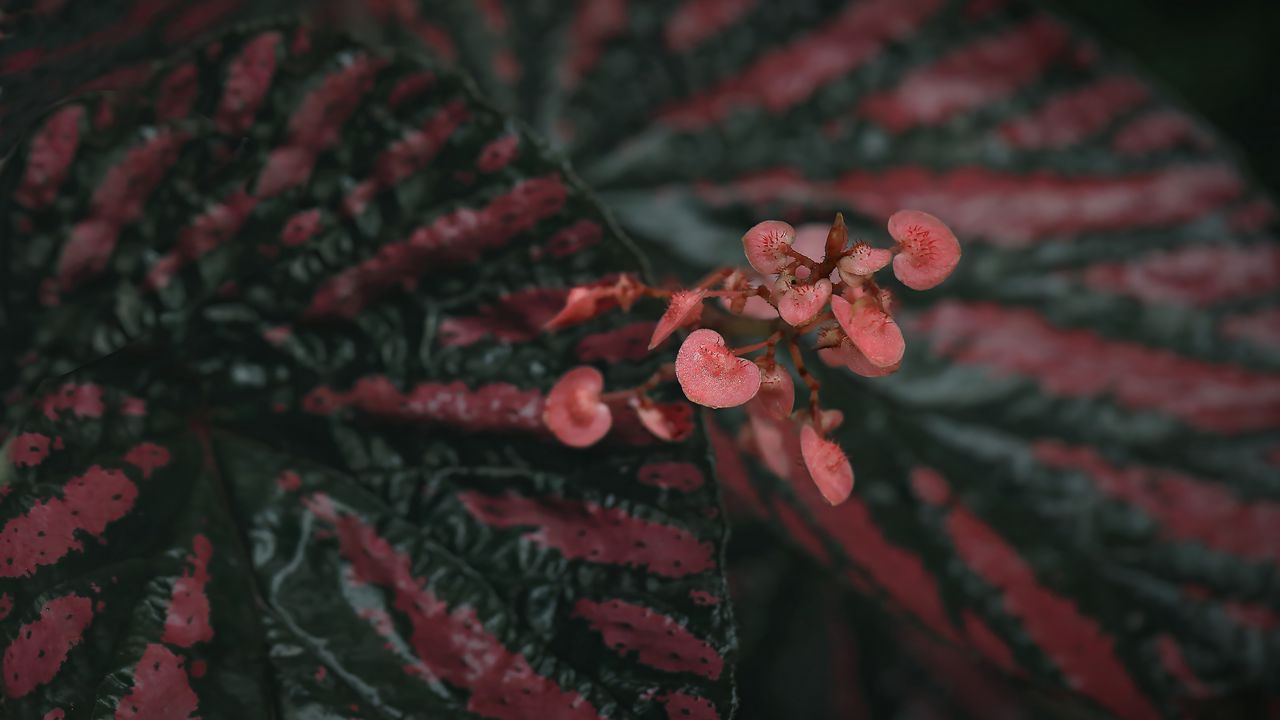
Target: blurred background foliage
x,y
1221,58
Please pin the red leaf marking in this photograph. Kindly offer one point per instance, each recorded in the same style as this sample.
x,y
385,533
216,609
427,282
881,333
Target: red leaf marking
x,y
187,621
902,574
452,645
317,125
988,643
55,714
627,343
459,237
21,61
575,238
210,230
657,640
410,86
161,688
595,23
1005,209
787,76
177,93
731,471
118,201
899,572
969,78
493,407
1187,508
695,21
409,154
127,185
301,227
47,532
248,79
1079,363
1251,615
1074,641
495,17
40,647
704,598
1178,276
29,449
514,318
1074,115
52,149
975,688
1175,664
682,706
498,154
126,77
288,481
682,476
198,18
588,531
199,668
1157,131
1261,328
800,531
133,407
147,457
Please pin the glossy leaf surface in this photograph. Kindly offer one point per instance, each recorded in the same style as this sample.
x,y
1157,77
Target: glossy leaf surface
x,y
276,445
1074,472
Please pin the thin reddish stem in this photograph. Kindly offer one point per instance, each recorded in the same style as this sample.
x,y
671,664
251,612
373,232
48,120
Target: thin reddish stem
x,y
767,342
712,278
809,379
664,373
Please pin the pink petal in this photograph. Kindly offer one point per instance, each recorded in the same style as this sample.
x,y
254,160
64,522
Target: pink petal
x,y
864,260
811,240
672,422
777,391
752,305
872,331
830,419
776,440
710,375
929,250
582,304
802,303
827,465
850,356
574,412
685,308
766,245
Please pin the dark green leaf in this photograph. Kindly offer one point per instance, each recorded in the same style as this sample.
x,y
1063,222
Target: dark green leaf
x,y
296,466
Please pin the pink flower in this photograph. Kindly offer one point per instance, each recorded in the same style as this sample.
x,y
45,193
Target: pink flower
x,y
848,354
777,391
798,304
713,376
685,308
752,306
672,422
766,245
574,412
827,465
863,261
582,304
928,250
871,330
